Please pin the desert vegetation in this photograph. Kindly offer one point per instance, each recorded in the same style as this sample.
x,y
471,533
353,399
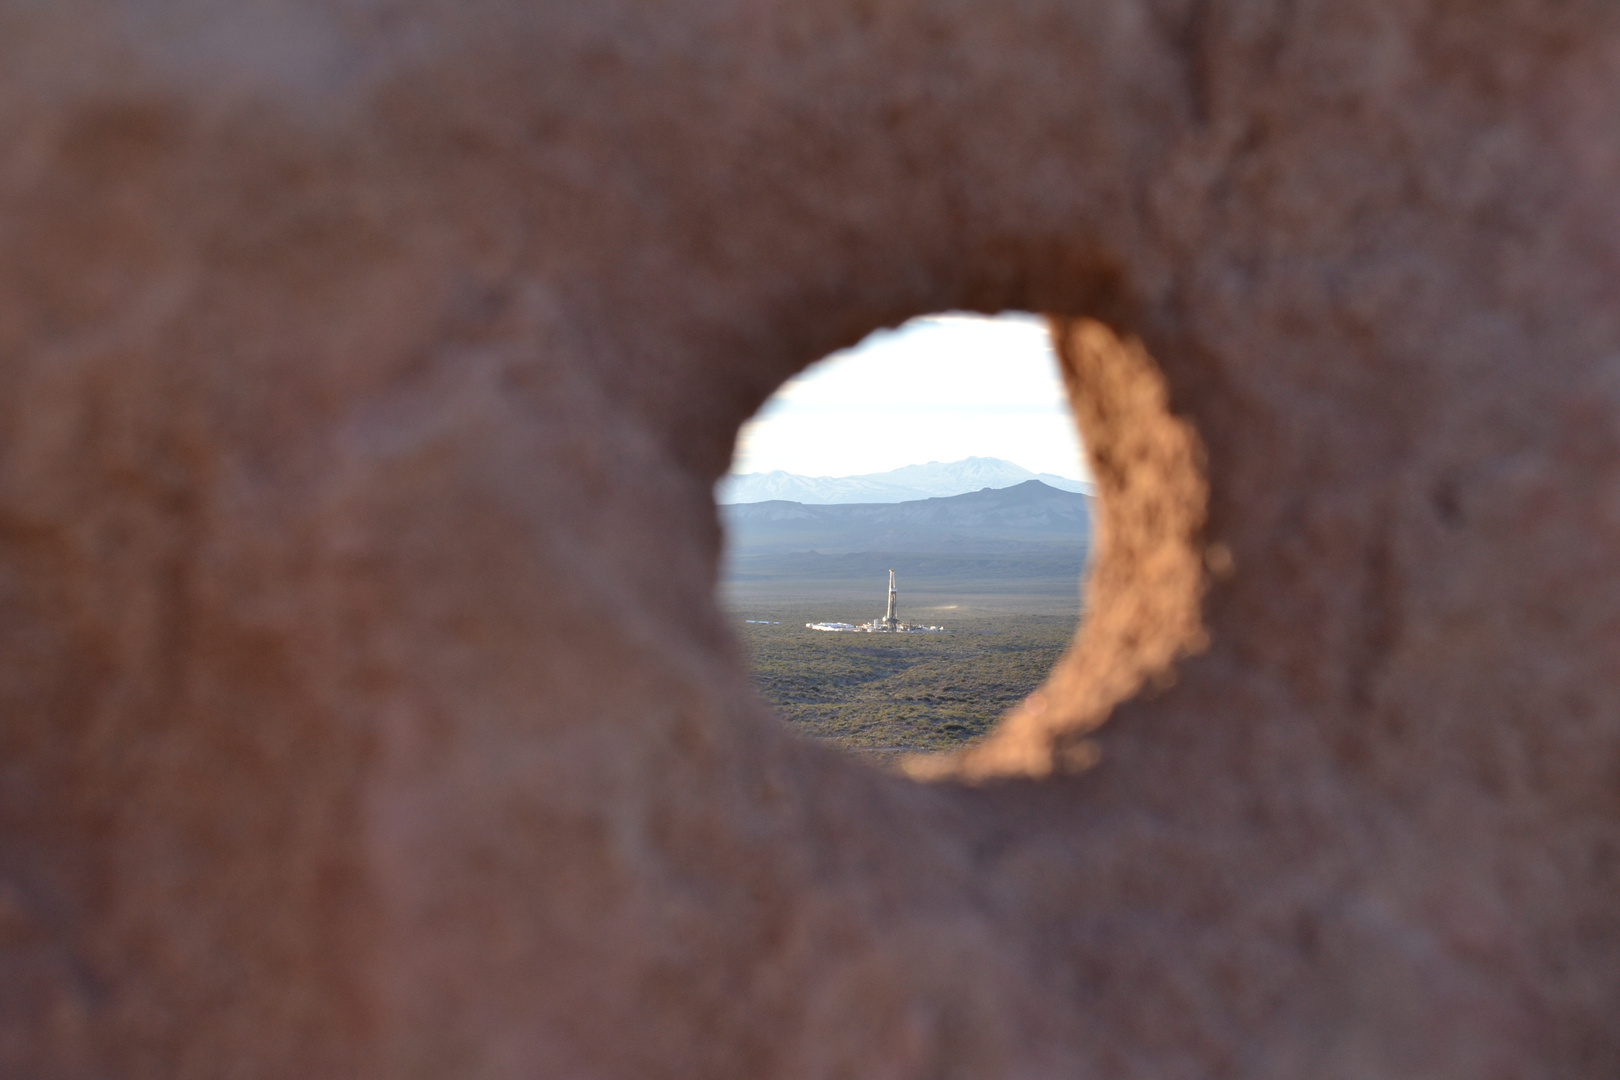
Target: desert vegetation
x,y
999,568
884,695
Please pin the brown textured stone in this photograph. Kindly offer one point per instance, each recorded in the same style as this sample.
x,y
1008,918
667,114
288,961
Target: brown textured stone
x,y
364,368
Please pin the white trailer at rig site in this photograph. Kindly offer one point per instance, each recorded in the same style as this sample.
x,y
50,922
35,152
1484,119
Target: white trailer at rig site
x,y
889,624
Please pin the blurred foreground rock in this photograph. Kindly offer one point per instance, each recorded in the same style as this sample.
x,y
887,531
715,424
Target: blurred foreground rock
x,y
364,370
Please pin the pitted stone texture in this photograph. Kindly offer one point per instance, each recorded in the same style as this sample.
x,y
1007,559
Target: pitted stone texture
x,y
364,369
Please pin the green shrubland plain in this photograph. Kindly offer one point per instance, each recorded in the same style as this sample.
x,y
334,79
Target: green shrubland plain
x,y
1008,620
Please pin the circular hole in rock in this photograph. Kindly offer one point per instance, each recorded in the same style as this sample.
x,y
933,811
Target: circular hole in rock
x,y
907,525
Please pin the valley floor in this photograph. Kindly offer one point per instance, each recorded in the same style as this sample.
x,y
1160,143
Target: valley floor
x,y
889,694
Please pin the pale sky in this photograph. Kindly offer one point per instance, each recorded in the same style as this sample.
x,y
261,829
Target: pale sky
x,y
939,388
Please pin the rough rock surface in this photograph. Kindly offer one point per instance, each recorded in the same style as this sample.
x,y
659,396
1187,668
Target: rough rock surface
x,y
364,369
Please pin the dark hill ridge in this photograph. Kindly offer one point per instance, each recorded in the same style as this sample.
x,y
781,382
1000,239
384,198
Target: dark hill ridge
x,y
1027,517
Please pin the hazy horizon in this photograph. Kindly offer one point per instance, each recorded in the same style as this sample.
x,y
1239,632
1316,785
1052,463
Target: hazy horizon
x,y
937,389
912,465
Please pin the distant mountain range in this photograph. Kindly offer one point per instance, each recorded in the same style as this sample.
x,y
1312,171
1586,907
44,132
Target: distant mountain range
x,y
1027,517
933,480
